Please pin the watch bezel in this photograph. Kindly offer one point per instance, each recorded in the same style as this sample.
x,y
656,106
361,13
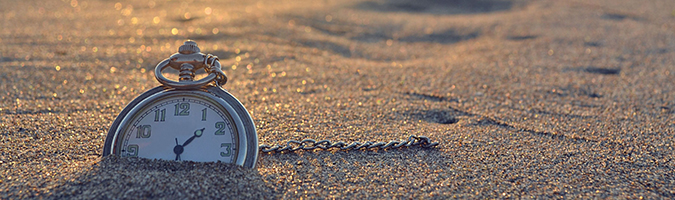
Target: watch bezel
x,y
248,139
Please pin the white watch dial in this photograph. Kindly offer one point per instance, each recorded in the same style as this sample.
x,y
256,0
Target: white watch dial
x,y
180,127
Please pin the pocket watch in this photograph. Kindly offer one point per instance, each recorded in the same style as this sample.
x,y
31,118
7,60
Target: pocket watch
x,y
198,120
186,120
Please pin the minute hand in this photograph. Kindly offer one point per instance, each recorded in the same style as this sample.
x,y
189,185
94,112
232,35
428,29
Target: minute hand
x,y
198,133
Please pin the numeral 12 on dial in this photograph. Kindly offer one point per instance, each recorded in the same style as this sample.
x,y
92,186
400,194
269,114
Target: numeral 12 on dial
x,y
182,109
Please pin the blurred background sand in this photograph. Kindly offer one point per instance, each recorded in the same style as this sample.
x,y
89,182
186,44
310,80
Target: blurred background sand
x,y
529,99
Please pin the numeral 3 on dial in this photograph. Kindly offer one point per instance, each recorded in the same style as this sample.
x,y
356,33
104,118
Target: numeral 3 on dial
x,y
228,149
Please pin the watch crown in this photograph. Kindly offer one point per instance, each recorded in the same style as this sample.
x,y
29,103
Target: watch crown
x,y
188,47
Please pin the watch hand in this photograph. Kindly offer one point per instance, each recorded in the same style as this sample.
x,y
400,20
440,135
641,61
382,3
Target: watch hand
x,y
178,149
198,133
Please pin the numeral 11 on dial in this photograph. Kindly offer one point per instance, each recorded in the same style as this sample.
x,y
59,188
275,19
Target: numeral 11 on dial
x,y
160,115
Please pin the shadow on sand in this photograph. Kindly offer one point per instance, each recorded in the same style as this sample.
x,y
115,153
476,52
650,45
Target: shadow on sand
x,y
134,178
446,7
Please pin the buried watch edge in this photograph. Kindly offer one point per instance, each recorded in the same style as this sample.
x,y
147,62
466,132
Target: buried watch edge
x,y
244,126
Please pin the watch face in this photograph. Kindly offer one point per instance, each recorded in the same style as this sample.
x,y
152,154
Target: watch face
x,y
193,126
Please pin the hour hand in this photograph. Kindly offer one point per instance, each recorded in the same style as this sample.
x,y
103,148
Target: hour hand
x,y
198,133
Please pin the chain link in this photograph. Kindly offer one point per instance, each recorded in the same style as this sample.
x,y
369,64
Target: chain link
x,y
213,66
310,144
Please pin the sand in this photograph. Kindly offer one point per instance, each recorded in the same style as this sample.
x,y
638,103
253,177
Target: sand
x,y
528,99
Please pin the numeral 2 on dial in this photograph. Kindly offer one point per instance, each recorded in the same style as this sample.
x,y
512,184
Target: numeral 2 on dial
x,y
221,128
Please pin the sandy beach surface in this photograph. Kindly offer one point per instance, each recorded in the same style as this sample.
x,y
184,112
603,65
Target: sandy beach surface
x,y
528,99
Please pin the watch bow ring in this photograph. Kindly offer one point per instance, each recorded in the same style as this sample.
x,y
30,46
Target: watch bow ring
x,y
188,60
